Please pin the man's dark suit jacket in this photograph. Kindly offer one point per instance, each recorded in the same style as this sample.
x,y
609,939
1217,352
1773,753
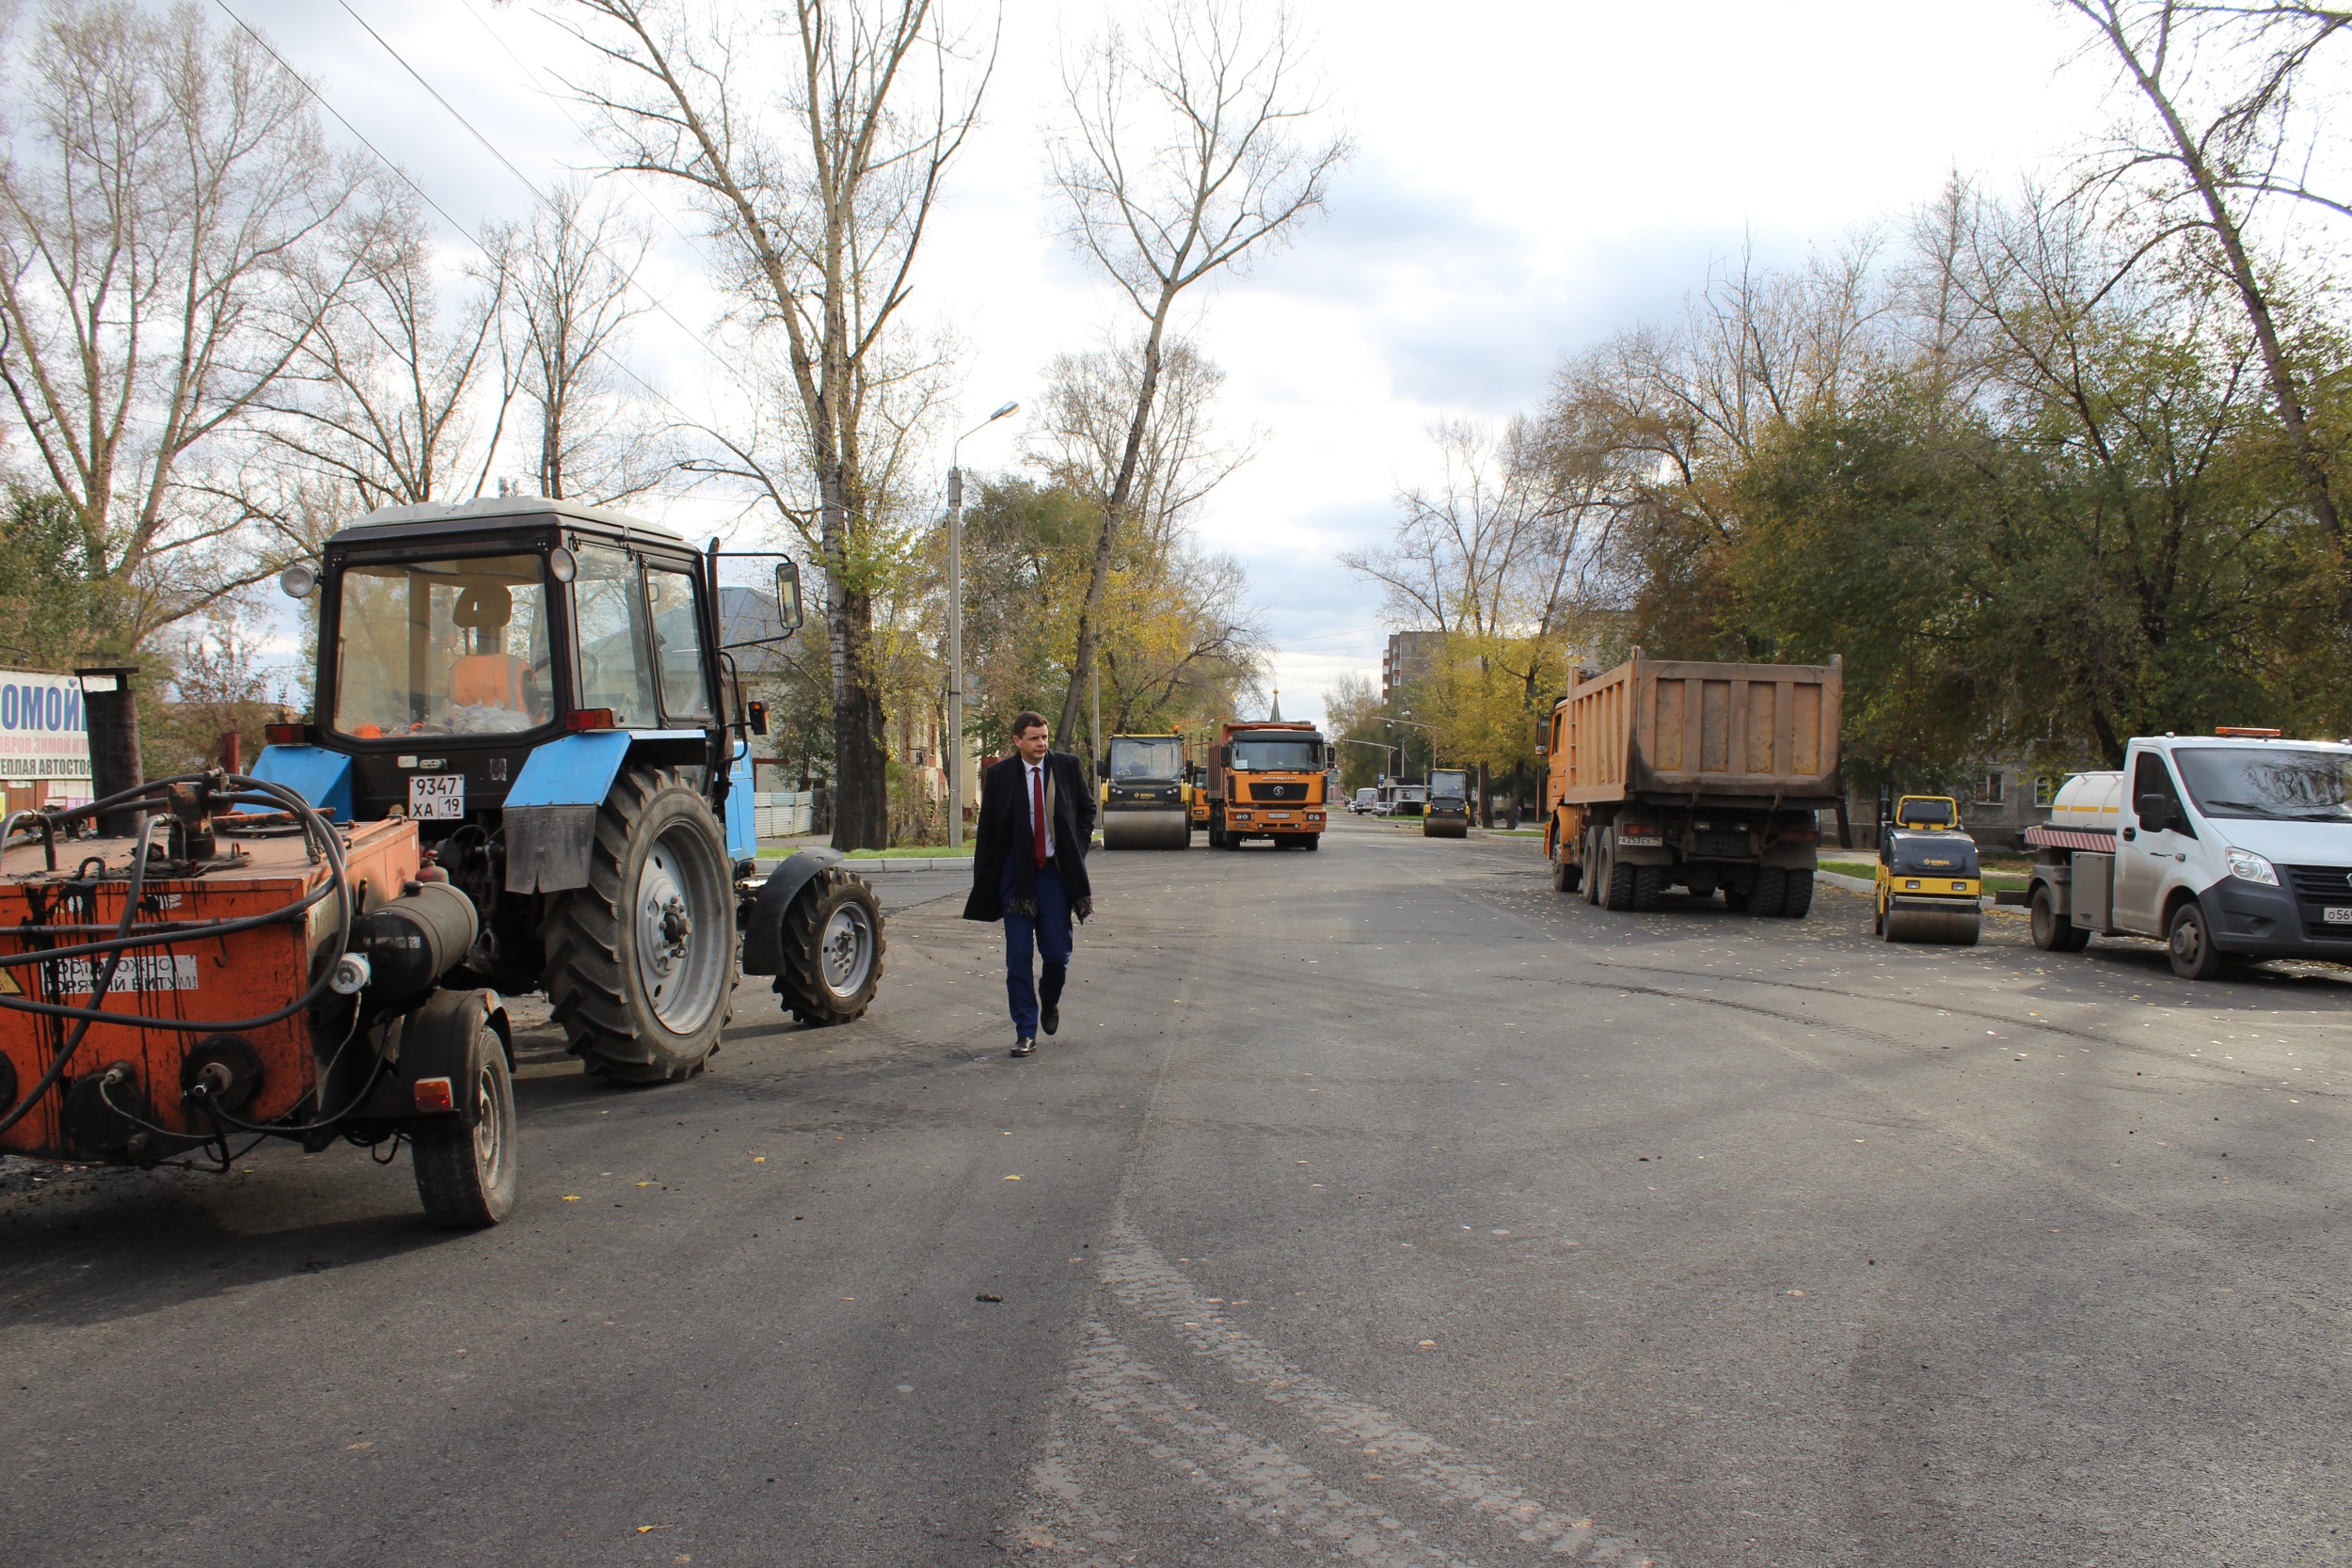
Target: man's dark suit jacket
x,y
1003,832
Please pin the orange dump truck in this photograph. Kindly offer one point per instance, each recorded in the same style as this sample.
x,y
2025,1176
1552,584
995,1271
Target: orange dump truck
x,y
1667,773
1267,781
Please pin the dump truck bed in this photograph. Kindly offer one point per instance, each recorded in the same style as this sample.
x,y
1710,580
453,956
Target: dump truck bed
x,y
1698,731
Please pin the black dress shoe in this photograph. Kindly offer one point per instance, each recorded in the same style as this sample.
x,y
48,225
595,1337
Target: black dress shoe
x,y
1023,1046
1050,1021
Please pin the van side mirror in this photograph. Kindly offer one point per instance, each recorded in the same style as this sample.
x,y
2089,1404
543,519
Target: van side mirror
x,y
755,715
2153,812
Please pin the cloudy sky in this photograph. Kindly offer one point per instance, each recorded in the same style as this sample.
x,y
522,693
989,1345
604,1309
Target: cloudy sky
x,y
1529,179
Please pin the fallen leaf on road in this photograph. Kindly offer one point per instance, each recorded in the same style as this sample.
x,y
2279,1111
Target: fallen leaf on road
x,y
985,1297
647,1529
1012,1179
1429,1344
571,1198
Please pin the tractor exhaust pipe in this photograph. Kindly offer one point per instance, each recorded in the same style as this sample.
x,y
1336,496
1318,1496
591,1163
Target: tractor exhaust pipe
x,y
112,714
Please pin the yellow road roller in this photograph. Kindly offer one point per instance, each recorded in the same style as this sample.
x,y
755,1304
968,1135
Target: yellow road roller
x,y
1930,886
1143,794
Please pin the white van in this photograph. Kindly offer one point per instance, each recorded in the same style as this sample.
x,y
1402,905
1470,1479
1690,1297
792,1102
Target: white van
x,y
2234,844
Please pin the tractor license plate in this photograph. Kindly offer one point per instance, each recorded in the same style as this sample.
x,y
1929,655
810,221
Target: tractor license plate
x,y
2337,914
436,797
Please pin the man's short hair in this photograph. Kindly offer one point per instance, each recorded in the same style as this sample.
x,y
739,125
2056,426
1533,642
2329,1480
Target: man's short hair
x,y
1025,721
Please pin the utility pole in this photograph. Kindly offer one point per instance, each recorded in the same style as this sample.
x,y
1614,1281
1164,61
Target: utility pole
x,y
955,630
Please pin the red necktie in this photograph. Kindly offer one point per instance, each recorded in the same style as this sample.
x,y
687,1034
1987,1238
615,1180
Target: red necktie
x,y
1036,812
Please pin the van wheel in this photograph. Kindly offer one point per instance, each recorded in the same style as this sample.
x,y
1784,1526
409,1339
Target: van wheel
x,y
2051,932
2189,943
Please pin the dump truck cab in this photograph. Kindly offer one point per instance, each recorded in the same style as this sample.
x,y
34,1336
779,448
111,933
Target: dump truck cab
x,y
1268,780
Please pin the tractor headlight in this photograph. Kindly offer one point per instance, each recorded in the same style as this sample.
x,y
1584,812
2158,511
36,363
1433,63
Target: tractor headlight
x,y
2253,868
298,579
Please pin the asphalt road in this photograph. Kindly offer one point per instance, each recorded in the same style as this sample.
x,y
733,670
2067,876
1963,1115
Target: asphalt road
x,y
1375,1206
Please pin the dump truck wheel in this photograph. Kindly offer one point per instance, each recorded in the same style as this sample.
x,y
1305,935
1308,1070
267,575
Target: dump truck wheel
x,y
1313,840
1796,896
1649,887
1772,887
2188,943
467,1170
2051,932
833,949
1620,894
1564,875
642,962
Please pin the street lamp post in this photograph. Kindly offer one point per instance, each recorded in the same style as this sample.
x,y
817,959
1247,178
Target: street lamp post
x,y
1415,723
955,629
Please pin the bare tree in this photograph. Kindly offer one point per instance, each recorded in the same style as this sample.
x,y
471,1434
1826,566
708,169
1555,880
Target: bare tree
x,y
1183,152
2222,84
383,402
1085,418
161,194
819,197
575,283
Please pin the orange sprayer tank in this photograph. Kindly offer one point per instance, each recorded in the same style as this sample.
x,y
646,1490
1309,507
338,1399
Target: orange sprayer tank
x,y
235,976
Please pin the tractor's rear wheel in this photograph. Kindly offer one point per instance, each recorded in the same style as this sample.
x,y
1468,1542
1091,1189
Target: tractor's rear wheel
x,y
641,961
833,949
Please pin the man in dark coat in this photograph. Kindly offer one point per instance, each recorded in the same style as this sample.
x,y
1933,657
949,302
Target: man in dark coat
x,y
1029,870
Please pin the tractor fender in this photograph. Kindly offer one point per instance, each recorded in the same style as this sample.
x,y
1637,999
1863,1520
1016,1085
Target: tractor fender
x,y
763,928
549,820
437,1041
318,775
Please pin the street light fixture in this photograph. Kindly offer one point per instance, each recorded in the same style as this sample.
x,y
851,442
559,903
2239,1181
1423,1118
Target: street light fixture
x,y
955,629
1409,720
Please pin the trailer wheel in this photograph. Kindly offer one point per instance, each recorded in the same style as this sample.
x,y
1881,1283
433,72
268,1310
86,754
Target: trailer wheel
x,y
1796,895
641,961
466,1170
2051,932
832,950
1772,890
2189,943
1649,887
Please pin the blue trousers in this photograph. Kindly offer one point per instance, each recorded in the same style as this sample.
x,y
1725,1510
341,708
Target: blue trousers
x,y
1025,937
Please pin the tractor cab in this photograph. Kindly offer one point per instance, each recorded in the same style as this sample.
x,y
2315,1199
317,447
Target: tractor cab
x,y
456,643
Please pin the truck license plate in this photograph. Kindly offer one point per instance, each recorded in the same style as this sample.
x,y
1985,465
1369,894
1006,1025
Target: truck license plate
x,y
436,797
2337,914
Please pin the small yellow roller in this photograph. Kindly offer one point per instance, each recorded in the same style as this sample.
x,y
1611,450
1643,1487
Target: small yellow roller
x,y
1930,886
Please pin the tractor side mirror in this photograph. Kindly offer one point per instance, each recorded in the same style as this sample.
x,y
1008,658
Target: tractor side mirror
x,y
755,715
788,611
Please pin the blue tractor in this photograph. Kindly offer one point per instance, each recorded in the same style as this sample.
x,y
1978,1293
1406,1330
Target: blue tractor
x,y
545,689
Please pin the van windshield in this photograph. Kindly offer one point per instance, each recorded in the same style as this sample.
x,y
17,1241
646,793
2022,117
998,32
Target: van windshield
x,y
2272,784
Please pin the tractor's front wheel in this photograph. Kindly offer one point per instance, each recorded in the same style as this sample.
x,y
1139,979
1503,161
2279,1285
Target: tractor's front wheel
x,y
833,949
641,961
